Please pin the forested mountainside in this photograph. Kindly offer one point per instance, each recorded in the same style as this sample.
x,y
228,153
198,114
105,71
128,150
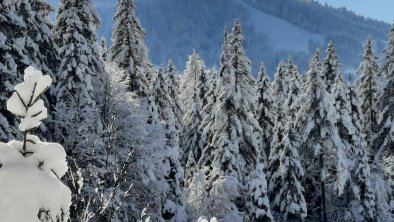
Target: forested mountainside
x,y
274,29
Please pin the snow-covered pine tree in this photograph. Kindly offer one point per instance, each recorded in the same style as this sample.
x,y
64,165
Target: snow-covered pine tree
x,y
234,149
363,206
291,198
12,55
194,70
128,49
384,139
191,136
211,96
39,42
367,85
321,149
31,170
173,90
294,91
331,66
265,109
276,150
173,206
319,66
78,121
280,89
258,204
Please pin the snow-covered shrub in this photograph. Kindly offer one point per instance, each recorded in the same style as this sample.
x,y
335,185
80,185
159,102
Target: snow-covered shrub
x,y
30,170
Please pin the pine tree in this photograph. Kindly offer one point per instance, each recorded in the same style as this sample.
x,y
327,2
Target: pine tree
x,y
172,200
292,202
192,141
77,105
194,72
265,109
331,66
280,88
320,146
294,91
39,42
12,57
259,207
234,147
128,49
273,171
367,85
384,139
173,87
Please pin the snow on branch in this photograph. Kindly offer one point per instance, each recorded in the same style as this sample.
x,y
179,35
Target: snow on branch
x,y
25,101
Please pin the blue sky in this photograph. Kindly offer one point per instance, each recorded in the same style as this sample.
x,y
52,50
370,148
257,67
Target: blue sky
x,y
377,9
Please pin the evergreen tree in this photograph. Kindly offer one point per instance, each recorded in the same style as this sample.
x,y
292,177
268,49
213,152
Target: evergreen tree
x,y
173,88
367,85
265,109
273,171
331,66
194,72
294,91
39,41
192,141
77,112
128,49
172,199
320,147
234,148
364,192
292,202
12,59
280,89
259,207
384,139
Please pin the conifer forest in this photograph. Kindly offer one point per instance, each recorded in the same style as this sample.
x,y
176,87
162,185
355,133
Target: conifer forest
x,y
97,132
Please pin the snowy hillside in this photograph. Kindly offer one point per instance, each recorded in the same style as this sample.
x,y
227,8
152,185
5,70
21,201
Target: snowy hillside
x,y
175,27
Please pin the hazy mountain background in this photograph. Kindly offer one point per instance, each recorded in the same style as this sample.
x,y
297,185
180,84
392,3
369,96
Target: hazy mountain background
x,y
274,30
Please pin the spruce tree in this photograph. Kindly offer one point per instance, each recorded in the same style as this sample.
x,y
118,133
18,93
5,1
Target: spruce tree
x,y
265,109
292,202
331,66
320,146
128,49
280,89
294,91
172,199
383,142
173,87
234,148
367,85
12,57
77,113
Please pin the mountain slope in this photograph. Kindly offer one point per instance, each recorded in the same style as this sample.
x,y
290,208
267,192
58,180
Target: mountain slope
x,y
274,29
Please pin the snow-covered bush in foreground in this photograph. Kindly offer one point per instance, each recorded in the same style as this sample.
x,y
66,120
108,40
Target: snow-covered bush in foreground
x,y
30,171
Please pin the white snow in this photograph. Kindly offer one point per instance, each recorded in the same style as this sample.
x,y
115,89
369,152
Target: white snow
x,y
24,101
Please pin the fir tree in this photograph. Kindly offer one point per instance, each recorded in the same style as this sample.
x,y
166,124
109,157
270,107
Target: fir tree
x,y
259,207
294,91
280,88
234,147
12,57
173,88
128,49
367,85
77,112
292,202
320,146
331,66
265,109
172,200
